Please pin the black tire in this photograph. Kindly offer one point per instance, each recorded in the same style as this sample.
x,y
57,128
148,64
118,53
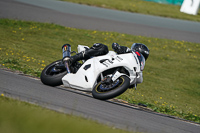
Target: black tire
x,y
119,88
53,78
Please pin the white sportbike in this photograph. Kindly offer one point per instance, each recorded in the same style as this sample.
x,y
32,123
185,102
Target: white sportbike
x,y
106,76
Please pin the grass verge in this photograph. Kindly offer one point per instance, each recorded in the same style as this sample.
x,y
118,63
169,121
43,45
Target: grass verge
x,y
22,117
171,76
141,6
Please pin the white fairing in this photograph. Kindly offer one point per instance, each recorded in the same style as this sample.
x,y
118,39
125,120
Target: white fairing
x,y
86,76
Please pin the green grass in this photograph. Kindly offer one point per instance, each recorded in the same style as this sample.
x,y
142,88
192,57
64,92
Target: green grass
x,y
141,6
171,76
22,117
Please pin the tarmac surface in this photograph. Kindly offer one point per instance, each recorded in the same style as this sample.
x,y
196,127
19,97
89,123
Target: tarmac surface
x,y
94,18
116,114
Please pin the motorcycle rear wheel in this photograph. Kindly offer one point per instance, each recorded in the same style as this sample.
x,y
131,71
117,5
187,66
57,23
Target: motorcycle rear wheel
x,y
116,89
51,75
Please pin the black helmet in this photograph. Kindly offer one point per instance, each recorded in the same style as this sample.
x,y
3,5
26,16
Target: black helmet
x,y
143,49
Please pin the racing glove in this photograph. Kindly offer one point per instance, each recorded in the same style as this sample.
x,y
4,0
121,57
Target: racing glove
x,y
120,49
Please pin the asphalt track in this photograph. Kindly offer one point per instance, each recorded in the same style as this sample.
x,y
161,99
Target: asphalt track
x,y
74,102
77,103
86,17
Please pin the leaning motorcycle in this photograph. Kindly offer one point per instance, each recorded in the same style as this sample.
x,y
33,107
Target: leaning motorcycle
x,y
106,76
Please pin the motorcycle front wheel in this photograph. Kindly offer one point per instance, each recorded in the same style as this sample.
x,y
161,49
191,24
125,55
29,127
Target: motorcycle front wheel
x,y
107,91
53,73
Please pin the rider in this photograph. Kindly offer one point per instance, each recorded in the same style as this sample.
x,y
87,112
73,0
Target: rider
x,y
98,49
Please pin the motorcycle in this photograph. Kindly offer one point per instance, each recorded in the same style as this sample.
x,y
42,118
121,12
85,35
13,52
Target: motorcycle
x,y
106,76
